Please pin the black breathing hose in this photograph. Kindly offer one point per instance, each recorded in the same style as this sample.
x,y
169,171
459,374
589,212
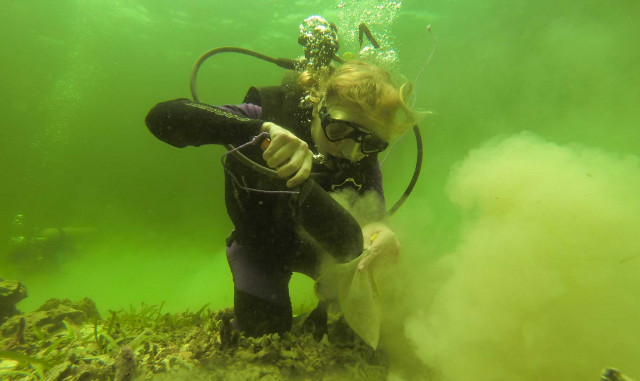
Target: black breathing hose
x,y
416,172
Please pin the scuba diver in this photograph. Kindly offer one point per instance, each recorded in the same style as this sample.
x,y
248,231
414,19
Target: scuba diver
x,y
325,127
32,247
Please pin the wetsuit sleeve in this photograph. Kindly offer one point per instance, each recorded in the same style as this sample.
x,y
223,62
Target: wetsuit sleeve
x,y
182,123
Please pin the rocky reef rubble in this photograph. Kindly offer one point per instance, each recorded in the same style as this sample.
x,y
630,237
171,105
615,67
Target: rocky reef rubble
x,y
69,341
11,292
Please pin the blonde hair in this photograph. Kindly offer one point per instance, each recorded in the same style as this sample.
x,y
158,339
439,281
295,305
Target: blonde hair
x,y
367,88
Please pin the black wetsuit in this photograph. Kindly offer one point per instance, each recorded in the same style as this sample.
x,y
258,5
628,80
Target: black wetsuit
x,y
265,247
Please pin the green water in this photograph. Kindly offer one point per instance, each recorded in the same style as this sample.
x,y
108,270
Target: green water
x,y
79,77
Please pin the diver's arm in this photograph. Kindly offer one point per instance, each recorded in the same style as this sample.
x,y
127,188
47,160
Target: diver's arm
x,y
182,123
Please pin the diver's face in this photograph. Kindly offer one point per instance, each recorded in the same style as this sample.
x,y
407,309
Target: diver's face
x,y
338,130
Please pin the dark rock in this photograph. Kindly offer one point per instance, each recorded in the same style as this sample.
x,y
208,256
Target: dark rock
x,y
125,364
11,292
89,308
48,318
85,305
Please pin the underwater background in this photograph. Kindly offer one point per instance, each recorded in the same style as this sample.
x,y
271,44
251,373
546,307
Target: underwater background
x,y
521,239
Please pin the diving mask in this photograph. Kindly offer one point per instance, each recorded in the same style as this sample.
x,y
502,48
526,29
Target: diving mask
x,y
336,130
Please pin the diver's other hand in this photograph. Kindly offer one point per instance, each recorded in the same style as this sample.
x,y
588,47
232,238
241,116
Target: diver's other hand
x,y
288,154
380,244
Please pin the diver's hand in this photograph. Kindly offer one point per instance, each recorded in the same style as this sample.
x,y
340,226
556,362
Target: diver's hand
x,y
289,155
380,244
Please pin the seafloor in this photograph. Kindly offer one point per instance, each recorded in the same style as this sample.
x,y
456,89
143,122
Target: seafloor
x,y
65,340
